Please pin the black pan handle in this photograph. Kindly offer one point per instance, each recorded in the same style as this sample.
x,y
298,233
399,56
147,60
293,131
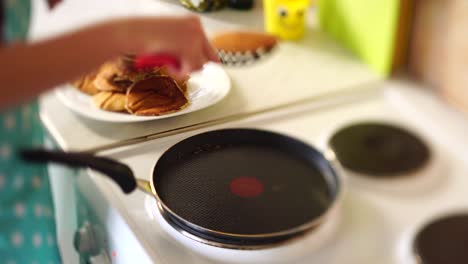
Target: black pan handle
x,y
119,172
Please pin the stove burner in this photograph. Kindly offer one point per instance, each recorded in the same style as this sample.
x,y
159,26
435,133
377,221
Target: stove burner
x,y
444,240
379,150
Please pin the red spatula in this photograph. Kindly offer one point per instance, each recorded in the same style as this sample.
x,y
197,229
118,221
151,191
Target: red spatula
x,y
142,62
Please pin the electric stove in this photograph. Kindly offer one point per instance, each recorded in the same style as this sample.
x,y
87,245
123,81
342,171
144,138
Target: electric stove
x,y
381,217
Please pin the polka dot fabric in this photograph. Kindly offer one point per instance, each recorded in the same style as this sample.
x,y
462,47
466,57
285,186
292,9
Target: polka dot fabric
x,y
27,226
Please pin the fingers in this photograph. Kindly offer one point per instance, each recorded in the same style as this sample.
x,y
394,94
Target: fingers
x,y
210,52
182,37
198,61
189,64
207,49
206,54
195,60
180,75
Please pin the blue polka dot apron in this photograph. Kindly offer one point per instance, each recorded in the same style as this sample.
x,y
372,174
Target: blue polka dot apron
x,y
27,226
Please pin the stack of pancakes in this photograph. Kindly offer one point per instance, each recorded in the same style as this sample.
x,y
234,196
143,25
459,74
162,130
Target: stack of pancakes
x,y
118,87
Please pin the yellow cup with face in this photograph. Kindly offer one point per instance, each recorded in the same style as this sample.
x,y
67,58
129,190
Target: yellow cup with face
x,y
285,19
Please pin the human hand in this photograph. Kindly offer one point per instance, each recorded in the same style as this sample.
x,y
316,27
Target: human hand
x,y
180,37
57,60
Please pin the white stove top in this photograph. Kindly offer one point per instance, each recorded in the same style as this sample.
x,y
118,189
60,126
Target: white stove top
x,y
374,223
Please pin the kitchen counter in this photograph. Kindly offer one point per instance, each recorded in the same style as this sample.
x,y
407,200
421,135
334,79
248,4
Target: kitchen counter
x,y
315,68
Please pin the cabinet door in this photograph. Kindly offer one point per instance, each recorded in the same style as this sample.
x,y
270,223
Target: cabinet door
x,y
455,86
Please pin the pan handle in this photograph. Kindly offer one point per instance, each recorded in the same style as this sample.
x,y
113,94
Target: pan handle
x,y
119,172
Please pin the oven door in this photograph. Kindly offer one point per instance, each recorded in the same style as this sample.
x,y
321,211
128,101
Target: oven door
x,y
81,236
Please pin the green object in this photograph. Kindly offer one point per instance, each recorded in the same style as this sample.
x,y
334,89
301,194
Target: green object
x,y
367,27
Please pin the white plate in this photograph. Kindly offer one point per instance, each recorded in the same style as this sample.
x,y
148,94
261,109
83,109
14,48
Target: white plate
x,y
205,88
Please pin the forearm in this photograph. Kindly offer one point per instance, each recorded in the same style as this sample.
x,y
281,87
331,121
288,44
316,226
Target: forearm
x,y
28,70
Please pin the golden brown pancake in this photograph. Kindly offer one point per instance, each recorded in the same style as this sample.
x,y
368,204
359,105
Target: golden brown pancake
x,y
86,84
111,78
118,87
164,72
110,101
154,96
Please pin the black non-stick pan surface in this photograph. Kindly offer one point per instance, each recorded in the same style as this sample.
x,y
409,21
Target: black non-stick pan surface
x,y
244,181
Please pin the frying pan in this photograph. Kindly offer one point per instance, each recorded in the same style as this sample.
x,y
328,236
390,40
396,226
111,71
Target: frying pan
x,y
231,188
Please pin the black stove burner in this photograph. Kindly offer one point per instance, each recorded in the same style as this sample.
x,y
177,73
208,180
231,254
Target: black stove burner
x,y
244,187
379,150
443,241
